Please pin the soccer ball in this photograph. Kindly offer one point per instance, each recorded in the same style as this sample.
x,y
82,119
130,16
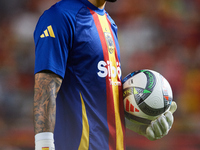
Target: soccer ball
x,y
146,95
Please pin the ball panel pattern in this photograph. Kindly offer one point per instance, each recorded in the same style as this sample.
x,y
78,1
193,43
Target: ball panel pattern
x,y
146,94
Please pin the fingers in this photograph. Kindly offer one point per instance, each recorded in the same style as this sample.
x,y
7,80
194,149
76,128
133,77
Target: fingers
x,y
154,131
150,133
173,107
161,126
169,114
169,118
156,128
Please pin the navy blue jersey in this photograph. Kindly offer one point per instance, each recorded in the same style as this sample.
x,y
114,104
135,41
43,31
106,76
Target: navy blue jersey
x,y
78,42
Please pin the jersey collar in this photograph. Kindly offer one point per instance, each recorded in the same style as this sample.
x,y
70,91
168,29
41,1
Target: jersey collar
x,y
94,8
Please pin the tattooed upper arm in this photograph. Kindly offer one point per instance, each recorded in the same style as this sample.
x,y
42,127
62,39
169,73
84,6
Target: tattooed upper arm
x,y
46,88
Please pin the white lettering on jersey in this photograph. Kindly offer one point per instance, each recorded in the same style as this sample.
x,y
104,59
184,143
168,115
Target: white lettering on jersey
x,y
102,69
107,69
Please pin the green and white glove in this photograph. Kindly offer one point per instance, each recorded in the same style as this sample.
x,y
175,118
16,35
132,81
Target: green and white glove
x,y
158,128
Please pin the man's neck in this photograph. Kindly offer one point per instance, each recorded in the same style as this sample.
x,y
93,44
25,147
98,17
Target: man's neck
x,y
98,3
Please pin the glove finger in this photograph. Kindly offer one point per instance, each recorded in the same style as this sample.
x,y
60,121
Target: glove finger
x,y
163,124
150,133
173,107
157,129
169,118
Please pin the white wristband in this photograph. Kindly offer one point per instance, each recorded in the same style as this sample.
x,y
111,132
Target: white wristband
x,y
44,136
44,141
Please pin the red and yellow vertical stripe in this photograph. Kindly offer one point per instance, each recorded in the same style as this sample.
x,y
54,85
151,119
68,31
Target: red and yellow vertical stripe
x,y
116,128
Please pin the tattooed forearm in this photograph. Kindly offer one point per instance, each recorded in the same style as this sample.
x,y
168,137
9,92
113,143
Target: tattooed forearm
x,y
46,88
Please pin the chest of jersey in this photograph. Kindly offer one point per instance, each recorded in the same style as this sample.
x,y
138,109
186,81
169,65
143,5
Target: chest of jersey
x,y
94,55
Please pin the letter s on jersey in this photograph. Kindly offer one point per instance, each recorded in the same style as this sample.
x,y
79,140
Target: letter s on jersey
x,y
108,69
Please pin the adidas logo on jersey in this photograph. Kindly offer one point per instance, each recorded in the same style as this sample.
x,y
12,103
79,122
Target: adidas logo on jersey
x,y
48,32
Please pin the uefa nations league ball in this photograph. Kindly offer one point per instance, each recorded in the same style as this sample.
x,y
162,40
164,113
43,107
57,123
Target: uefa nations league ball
x,y
146,95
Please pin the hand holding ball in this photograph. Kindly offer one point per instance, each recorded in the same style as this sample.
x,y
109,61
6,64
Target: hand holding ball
x,y
147,97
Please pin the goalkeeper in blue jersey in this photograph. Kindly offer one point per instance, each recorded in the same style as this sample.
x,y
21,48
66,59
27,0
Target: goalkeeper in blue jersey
x,y
78,101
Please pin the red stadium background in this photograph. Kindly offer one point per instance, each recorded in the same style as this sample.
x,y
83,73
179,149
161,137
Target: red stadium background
x,y
162,35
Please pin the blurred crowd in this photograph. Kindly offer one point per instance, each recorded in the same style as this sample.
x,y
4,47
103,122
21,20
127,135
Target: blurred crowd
x,y
161,35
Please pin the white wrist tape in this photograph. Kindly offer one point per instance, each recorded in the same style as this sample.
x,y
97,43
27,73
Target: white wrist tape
x,y
44,136
44,141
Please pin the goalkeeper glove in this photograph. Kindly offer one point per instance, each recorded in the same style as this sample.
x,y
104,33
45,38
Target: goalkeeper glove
x,y
44,141
158,128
